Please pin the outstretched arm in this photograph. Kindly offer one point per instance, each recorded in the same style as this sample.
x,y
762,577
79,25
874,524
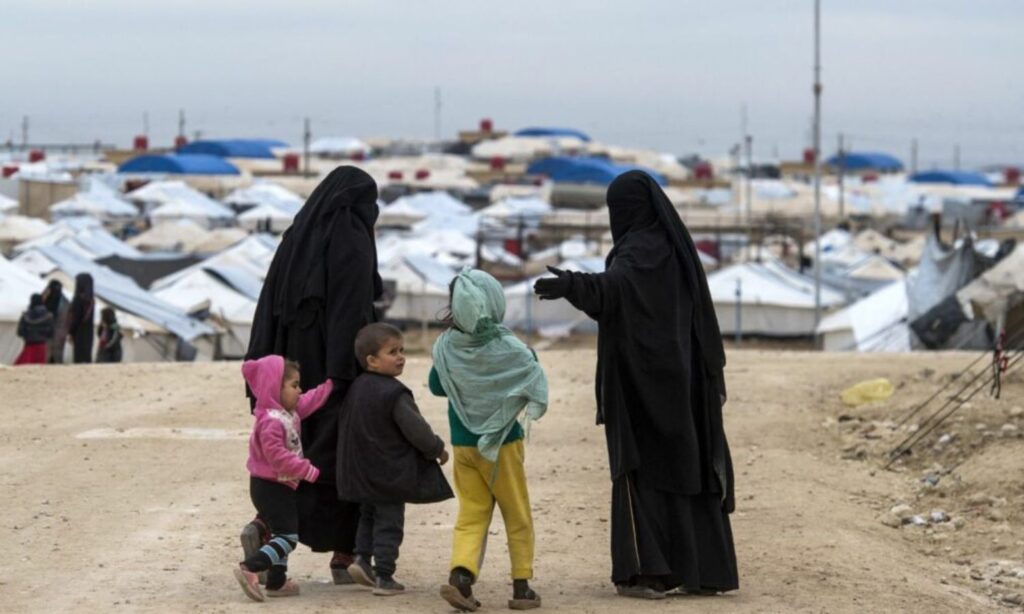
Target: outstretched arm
x,y
286,463
591,293
314,399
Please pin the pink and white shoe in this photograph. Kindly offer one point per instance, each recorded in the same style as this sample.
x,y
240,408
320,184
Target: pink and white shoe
x,y
290,588
250,583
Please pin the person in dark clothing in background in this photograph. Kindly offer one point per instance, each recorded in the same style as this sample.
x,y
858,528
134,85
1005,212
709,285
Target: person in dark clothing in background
x,y
387,456
81,328
109,337
660,391
319,291
36,327
58,306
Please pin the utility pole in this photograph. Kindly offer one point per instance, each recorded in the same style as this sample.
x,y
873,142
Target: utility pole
x,y
306,135
956,157
181,123
842,173
437,114
145,123
817,165
24,132
748,143
913,156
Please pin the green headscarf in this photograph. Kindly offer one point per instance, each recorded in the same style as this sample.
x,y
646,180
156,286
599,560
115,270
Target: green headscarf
x,y
490,376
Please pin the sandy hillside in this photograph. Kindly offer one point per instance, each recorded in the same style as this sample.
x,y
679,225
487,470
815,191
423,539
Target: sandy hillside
x,y
124,490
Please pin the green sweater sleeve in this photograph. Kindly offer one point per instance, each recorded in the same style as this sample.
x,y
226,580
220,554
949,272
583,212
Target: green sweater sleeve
x,y
434,381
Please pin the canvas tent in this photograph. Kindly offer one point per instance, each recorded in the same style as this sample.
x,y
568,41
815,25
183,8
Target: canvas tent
x,y
154,329
421,288
997,296
178,164
339,147
771,299
267,218
876,323
524,310
15,229
16,286
171,236
97,200
264,193
175,200
84,236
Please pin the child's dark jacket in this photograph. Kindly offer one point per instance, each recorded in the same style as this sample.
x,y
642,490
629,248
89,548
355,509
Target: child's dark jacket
x,y
387,452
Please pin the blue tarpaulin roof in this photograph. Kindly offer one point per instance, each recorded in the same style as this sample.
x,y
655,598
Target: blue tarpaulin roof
x,y
866,161
179,164
553,132
584,170
233,148
953,177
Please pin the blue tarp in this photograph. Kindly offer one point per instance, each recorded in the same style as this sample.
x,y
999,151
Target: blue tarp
x,y
553,132
179,164
599,171
953,177
866,161
234,148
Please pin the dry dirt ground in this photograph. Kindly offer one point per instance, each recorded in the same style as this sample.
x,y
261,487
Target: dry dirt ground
x,y
124,489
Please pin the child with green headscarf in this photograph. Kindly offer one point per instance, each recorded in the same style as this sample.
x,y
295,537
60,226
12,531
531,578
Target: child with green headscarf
x,y
493,382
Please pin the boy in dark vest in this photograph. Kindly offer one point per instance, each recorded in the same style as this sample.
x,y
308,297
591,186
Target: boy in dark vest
x,y
387,456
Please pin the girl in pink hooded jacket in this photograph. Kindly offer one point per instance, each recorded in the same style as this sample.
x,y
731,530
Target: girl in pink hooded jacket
x,y
276,466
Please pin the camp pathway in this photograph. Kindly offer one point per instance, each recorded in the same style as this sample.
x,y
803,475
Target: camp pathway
x,y
124,490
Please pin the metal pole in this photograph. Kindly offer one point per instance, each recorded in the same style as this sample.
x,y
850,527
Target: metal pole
x,y
956,157
739,311
748,142
913,156
437,114
306,134
24,132
817,165
842,173
181,123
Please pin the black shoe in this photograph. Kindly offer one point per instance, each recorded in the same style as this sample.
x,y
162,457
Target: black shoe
x,y
523,597
459,591
362,573
387,586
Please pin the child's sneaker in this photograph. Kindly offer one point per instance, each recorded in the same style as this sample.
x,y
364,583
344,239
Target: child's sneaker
x,y
387,586
339,569
254,536
289,589
362,572
249,582
459,591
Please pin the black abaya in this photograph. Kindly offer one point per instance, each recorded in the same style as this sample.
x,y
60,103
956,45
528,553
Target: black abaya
x,y
318,293
659,388
81,325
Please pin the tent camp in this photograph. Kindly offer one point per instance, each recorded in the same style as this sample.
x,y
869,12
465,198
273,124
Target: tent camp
x,y
264,193
84,236
8,204
997,296
525,311
339,147
864,161
171,236
97,200
598,171
15,229
177,164
767,298
233,148
266,218
155,330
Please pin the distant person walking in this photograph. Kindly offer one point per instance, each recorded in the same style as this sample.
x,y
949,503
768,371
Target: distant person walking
x,y
319,292
58,306
109,337
36,328
81,327
660,391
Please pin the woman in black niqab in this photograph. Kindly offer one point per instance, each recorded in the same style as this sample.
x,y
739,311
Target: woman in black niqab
x,y
660,391
319,291
81,321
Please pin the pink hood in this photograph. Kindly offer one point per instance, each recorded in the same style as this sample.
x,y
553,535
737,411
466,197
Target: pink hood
x,y
265,377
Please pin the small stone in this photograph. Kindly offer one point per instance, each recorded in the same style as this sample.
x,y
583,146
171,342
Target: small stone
x,y
1008,429
918,521
939,516
995,515
901,511
1016,412
1013,599
890,520
959,523
979,499
981,426
946,438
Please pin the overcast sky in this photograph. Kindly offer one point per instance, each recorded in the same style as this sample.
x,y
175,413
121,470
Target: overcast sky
x,y
668,74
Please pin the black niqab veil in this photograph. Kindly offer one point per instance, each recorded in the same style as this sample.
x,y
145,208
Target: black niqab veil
x,y
54,296
323,280
660,356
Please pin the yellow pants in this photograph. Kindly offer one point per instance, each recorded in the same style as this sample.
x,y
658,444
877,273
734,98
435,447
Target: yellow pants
x,y
477,496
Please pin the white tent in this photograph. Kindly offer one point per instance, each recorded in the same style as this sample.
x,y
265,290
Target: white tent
x,y
99,201
171,236
876,323
525,148
524,310
16,229
773,300
266,218
84,236
435,203
233,310
513,209
335,146
399,214
421,287
246,262
997,291
175,200
265,193
16,286
8,204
